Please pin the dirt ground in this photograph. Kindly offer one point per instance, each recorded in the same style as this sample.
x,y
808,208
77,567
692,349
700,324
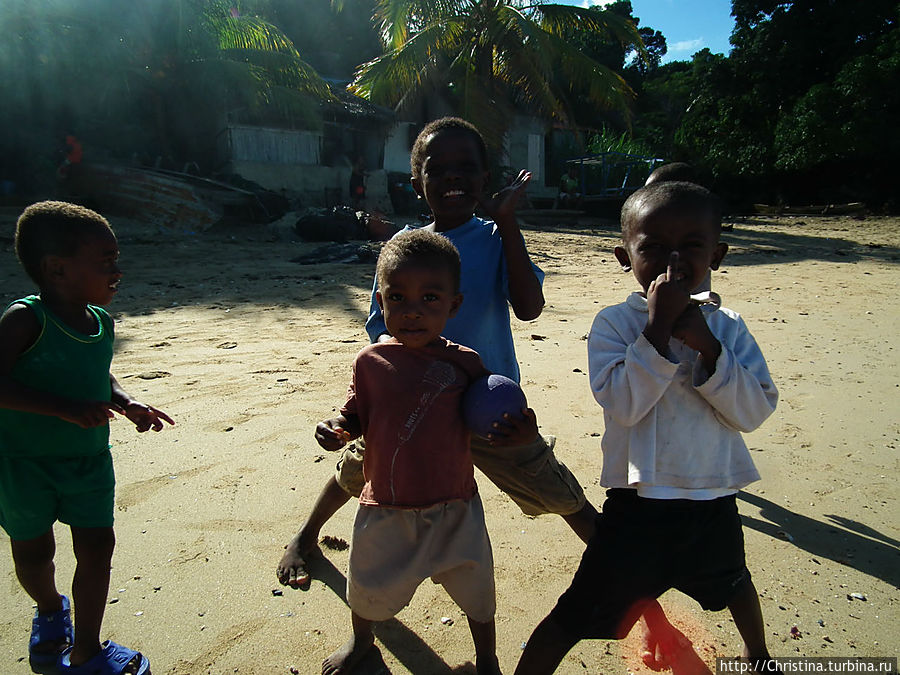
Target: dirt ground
x,y
247,350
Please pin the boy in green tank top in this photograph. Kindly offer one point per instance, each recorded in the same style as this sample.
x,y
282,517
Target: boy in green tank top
x,y
57,396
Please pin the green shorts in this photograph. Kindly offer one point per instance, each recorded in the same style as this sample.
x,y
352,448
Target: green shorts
x,y
36,492
531,475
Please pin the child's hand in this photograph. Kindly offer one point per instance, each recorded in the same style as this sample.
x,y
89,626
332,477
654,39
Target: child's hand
x,y
146,417
666,301
331,436
691,328
89,414
514,431
501,207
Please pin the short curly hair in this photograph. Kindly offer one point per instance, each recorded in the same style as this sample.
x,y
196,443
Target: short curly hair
x,y
673,171
419,246
444,124
53,228
669,195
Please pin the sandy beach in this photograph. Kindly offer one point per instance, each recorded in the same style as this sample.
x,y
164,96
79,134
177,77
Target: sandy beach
x,y
247,350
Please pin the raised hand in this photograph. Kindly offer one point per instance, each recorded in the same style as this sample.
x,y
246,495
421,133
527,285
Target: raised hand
x,y
502,205
667,298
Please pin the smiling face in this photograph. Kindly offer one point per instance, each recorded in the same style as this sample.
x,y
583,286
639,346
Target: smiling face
x,y
417,299
452,174
660,230
91,274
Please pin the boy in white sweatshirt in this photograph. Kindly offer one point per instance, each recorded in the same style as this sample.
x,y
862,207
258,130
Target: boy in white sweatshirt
x,y
678,381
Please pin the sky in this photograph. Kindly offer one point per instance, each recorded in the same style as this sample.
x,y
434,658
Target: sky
x,y
689,25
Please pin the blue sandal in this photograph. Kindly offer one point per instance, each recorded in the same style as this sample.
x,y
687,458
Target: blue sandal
x,y
49,629
112,659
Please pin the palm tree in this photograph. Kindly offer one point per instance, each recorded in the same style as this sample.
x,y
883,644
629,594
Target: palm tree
x,y
491,57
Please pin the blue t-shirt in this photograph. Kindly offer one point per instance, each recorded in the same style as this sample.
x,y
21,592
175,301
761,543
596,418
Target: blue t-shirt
x,y
482,322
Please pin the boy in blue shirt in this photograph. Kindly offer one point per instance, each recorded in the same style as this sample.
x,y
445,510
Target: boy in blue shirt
x,y
56,399
449,171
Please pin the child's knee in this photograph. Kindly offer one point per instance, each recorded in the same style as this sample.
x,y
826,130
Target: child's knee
x,y
93,544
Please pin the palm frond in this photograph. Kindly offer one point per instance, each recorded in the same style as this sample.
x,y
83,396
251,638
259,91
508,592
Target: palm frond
x,y
397,19
387,79
283,69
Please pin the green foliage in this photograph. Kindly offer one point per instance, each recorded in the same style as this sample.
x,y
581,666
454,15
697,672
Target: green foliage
x,y
491,58
607,140
800,110
150,78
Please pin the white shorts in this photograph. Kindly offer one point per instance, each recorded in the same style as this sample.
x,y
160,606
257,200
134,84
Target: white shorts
x,y
395,550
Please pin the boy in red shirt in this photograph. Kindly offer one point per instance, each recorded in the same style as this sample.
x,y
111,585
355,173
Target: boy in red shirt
x,y
419,513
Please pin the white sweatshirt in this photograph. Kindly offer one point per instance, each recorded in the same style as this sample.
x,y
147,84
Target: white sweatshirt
x,y
671,430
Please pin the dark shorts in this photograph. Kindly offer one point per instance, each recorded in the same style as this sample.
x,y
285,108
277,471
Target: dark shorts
x,y
36,492
642,548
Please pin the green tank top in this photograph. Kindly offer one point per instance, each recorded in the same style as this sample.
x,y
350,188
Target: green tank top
x,y
67,363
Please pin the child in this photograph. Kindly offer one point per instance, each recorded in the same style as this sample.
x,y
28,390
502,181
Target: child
x,y
56,399
678,382
419,513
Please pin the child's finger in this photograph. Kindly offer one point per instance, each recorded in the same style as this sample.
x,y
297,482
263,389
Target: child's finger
x,y
161,415
673,266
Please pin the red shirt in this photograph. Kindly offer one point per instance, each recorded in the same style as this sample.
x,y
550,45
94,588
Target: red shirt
x,y
409,403
75,152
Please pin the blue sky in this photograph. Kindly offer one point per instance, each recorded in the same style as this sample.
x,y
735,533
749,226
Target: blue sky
x,y
689,25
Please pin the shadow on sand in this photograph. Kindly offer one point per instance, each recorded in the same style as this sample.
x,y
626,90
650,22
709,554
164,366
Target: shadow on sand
x,y
407,647
842,540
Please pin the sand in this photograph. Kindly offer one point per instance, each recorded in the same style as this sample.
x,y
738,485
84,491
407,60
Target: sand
x,y
248,350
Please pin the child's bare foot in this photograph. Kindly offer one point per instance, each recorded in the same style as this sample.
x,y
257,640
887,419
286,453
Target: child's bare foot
x,y
291,570
661,645
347,656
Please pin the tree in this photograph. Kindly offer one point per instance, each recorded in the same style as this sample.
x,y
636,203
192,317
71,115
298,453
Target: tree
x,y
799,109
149,77
489,57
333,42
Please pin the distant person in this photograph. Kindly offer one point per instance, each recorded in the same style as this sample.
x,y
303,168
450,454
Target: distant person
x,y
56,399
358,184
73,155
678,383
419,513
570,196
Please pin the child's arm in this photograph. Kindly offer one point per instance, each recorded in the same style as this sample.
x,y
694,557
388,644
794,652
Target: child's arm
x,y
19,329
740,389
144,416
335,433
525,294
666,301
628,376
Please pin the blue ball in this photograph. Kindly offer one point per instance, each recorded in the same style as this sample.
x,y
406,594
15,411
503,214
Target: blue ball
x,y
487,399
